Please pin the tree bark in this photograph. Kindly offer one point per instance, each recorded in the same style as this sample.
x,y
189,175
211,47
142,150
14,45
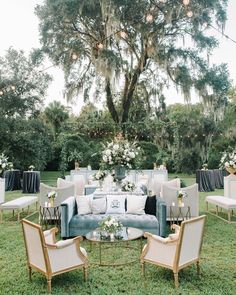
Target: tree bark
x,y
110,103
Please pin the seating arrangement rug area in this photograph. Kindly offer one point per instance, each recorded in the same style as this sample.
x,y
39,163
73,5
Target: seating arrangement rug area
x,y
217,264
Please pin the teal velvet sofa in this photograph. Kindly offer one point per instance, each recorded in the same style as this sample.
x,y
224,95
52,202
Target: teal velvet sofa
x,y
74,224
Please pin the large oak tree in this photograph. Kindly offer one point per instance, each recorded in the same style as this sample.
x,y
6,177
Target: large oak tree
x,y
123,46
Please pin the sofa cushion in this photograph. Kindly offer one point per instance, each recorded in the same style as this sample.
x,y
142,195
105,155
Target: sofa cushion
x,y
91,221
150,205
115,204
135,204
83,205
98,205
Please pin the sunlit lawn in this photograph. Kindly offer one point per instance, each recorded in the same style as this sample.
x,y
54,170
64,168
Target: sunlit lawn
x,y
218,263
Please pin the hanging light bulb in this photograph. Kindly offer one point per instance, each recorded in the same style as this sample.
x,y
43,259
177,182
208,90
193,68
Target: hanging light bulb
x,y
149,18
123,34
13,87
189,13
100,46
1,92
186,2
74,56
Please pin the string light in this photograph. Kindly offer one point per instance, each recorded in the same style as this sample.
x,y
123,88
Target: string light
x,y
7,89
1,92
100,46
123,34
149,18
186,2
74,56
189,13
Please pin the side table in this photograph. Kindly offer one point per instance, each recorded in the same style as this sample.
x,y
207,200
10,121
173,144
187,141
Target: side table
x,y
49,215
179,213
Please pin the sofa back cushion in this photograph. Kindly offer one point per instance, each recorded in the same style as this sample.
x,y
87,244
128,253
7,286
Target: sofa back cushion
x,y
150,206
115,204
98,205
136,204
83,205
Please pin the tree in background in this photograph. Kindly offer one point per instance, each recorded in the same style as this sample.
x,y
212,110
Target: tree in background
x,y
116,46
55,115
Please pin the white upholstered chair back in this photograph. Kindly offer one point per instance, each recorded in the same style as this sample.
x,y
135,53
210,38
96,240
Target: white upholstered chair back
x,y
34,245
2,190
79,182
156,184
190,240
62,193
169,195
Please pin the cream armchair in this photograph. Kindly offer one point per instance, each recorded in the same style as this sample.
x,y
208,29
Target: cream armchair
x,y
177,251
49,257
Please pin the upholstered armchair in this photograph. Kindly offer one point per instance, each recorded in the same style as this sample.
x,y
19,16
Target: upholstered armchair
x,y
177,251
159,180
49,257
169,195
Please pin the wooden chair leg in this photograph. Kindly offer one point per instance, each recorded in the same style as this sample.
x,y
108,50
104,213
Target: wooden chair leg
x,y
1,214
30,273
198,268
176,277
85,269
207,208
229,216
217,210
143,268
49,280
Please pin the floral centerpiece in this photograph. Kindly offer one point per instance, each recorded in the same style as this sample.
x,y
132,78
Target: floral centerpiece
x,y
205,167
110,225
127,186
228,161
51,197
180,196
120,152
3,163
31,168
99,175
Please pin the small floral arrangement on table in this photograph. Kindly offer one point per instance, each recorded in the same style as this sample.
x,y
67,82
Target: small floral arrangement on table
x,y
110,225
99,175
205,167
3,162
31,168
51,197
180,196
228,161
127,186
120,152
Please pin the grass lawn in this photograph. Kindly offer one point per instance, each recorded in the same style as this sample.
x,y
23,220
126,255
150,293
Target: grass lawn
x,y
218,263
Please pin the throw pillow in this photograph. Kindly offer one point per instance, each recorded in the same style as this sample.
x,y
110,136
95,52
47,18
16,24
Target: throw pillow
x,y
83,205
136,204
98,205
115,204
150,205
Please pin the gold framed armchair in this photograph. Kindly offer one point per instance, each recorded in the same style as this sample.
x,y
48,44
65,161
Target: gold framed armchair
x,y
51,257
177,251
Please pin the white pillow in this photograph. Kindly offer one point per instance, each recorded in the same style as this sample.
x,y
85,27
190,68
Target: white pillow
x,y
99,205
116,204
83,205
62,183
136,204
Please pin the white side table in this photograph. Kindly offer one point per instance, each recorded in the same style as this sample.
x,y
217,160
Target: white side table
x,y
230,186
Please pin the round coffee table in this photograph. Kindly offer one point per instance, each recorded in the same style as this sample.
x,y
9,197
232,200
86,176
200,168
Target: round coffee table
x,y
122,240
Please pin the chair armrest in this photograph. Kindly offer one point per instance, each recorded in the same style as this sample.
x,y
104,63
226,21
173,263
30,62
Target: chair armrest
x,y
161,216
68,209
158,238
50,235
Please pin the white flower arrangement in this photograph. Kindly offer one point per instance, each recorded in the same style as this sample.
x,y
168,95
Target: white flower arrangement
x,y
228,160
181,195
119,152
4,164
110,225
127,186
99,175
31,168
52,195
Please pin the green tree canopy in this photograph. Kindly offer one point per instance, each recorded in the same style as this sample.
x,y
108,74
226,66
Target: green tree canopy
x,y
116,45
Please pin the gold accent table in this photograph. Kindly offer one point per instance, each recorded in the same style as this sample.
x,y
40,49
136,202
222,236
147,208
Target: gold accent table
x,y
177,214
122,240
50,215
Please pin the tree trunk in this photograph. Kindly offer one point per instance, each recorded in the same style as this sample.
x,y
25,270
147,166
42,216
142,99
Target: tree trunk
x,y
110,103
